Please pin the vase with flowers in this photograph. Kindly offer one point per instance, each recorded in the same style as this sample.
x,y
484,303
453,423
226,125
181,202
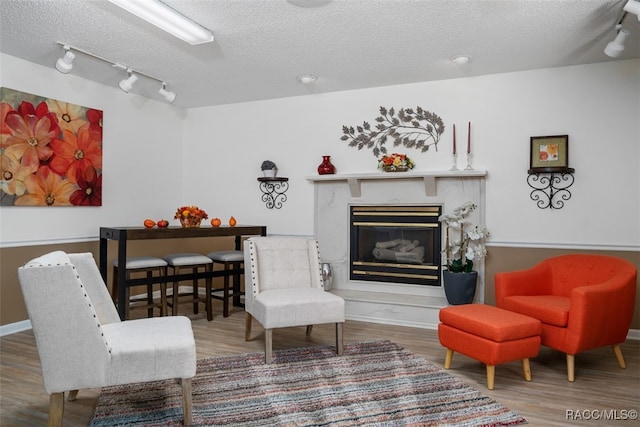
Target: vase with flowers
x,y
464,243
395,162
190,216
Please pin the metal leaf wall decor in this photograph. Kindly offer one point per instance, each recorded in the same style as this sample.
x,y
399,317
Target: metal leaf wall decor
x,y
410,128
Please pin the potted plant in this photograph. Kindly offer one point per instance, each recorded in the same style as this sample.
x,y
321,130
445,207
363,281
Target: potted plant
x,y
460,278
269,169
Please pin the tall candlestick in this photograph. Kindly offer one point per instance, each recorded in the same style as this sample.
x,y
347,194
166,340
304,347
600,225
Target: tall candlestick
x,y
454,139
469,139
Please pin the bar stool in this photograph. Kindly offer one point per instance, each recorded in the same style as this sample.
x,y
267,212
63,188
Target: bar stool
x,y
193,261
233,265
148,265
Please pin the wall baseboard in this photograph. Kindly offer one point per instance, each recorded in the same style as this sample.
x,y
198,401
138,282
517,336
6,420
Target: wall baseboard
x,y
13,328
25,325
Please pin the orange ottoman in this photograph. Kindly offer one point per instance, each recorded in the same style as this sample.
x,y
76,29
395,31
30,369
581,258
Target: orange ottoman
x,y
489,334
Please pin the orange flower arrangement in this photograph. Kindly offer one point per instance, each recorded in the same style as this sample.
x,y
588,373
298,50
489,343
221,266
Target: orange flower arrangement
x,y
190,216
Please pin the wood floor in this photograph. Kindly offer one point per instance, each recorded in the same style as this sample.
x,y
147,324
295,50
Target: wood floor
x,y
601,390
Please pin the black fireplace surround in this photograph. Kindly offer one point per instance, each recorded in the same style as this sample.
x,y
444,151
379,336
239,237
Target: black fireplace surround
x,y
395,244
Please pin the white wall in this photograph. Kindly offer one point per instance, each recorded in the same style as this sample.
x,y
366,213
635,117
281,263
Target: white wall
x,y
157,157
142,151
596,105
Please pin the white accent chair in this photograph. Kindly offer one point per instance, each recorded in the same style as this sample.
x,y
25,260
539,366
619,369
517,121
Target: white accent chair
x,y
284,288
83,344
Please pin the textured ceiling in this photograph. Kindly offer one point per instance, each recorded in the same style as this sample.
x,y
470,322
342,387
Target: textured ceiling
x,y
262,45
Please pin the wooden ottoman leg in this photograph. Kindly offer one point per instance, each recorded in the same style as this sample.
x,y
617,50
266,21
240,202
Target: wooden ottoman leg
x,y
526,369
491,374
448,358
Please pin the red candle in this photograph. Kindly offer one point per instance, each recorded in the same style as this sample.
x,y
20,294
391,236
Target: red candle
x,y
454,139
469,139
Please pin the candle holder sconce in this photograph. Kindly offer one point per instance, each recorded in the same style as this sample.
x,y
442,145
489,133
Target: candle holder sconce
x,y
551,187
273,191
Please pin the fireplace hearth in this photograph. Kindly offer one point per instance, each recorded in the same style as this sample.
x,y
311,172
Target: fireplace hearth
x,y
395,244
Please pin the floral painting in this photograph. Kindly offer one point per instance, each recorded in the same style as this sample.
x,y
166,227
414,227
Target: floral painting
x,y
50,152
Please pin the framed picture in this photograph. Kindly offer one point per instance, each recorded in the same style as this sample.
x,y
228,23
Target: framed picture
x,y
549,153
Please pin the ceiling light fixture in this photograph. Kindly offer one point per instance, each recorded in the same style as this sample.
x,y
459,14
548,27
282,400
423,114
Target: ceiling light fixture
x,y
632,6
127,84
616,47
168,95
461,59
65,64
306,79
167,19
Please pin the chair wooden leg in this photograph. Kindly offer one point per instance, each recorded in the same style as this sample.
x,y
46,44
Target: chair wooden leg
x,y
526,369
268,346
195,291
448,358
491,375
571,365
72,395
149,294
619,357
309,329
339,339
207,299
225,293
56,409
186,401
247,328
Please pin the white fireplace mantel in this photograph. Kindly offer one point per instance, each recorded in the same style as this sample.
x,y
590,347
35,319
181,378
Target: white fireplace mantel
x,y
430,178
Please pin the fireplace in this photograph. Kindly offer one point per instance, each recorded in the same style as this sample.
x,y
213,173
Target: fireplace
x,y
395,244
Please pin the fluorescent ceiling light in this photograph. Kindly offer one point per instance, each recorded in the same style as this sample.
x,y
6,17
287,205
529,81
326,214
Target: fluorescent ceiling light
x,y
167,19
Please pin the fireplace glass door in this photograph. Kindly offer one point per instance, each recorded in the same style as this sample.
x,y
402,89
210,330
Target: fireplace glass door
x,y
396,244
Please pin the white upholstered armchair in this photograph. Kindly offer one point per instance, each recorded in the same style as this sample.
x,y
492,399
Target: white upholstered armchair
x,y
284,288
83,344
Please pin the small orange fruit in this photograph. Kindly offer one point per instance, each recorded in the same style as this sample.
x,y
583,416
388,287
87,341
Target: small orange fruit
x,y
216,222
232,221
149,223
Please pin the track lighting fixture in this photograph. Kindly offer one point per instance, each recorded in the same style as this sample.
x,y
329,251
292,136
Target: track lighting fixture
x,y
127,84
65,64
168,95
167,19
633,6
616,47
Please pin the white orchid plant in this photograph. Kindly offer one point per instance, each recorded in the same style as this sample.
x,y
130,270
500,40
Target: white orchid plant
x,y
461,253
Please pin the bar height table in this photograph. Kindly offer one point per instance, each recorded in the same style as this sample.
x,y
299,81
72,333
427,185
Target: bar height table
x,y
124,234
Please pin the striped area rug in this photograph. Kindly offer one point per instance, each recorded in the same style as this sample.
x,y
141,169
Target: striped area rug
x,y
374,384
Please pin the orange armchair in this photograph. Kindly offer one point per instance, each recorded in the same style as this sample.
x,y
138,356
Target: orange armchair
x,y
583,301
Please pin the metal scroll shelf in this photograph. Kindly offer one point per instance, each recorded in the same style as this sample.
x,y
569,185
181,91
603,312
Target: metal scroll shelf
x,y
273,191
550,186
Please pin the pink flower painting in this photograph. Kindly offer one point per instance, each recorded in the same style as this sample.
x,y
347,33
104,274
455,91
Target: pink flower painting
x,y
50,152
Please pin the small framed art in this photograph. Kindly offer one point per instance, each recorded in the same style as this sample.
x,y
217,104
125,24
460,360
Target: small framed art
x,y
549,153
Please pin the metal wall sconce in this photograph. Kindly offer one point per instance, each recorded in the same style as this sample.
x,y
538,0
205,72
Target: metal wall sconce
x,y
551,189
273,191
549,173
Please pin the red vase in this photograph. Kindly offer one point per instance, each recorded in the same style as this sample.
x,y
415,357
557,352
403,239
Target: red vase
x,y
326,167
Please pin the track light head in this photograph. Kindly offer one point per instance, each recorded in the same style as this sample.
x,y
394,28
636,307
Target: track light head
x,y
65,63
127,84
633,6
616,47
168,95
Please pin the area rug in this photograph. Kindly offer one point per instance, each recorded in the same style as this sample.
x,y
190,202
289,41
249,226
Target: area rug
x,y
373,384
